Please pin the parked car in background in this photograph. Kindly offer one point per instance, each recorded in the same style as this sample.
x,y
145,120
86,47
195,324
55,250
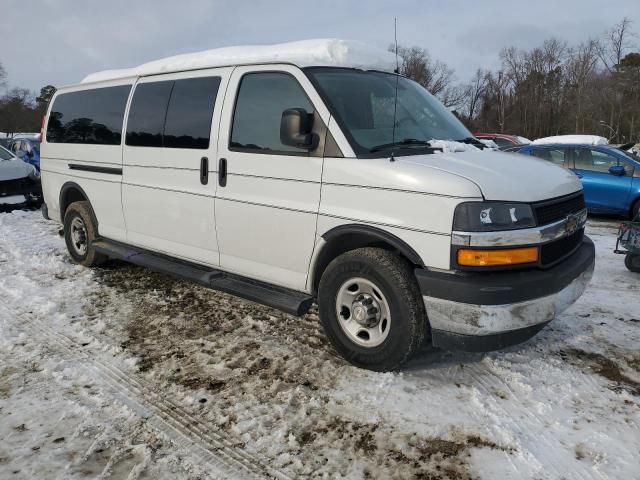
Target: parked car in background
x,y
19,182
610,176
26,149
503,140
490,144
572,139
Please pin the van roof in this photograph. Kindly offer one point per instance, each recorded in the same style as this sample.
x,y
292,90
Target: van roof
x,y
304,53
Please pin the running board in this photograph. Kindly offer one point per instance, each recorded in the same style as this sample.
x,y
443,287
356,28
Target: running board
x,y
289,301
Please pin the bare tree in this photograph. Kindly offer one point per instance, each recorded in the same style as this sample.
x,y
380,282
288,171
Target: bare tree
x,y
3,77
614,45
474,92
580,70
417,64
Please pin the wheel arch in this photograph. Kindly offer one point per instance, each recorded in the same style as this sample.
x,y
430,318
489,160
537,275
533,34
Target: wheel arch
x,y
344,238
634,202
71,192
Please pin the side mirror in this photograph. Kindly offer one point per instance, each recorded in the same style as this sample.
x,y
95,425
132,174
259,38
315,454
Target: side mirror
x,y
617,170
295,129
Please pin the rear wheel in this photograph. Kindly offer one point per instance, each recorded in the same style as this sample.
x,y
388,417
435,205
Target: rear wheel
x,y
80,231
632,262
371,308
635,210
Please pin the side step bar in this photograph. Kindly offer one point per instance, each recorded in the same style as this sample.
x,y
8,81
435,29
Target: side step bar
x,y
289,301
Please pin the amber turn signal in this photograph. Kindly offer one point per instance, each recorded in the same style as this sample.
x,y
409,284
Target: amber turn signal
x,y
493,258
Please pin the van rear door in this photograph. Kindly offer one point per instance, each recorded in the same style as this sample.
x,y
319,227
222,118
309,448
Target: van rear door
x,y
168,158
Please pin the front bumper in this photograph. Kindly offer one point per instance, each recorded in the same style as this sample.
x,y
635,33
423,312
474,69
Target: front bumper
x,y
482,311
11,202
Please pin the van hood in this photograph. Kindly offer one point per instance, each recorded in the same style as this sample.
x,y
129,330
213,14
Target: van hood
x,y
15,168
502,175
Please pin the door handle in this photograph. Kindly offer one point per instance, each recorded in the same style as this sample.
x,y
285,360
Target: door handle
x,y
222,172
204,170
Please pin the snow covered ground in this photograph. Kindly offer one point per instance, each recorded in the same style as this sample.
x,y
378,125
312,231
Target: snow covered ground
x,y
121,373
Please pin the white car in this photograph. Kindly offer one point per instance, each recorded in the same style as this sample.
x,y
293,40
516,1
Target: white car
x,y
309,172
19,182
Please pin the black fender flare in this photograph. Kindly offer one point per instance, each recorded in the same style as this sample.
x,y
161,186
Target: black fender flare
x,y
375,233
356,236
63,191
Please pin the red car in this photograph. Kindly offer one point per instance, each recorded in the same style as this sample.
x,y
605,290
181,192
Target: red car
x,y
503,140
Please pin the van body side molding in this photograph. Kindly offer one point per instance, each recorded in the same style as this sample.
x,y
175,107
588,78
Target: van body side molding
x,y
95,169
289,301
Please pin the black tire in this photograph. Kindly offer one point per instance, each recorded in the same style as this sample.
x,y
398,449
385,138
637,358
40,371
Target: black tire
x,y
81,212
635,211
632,262
393,276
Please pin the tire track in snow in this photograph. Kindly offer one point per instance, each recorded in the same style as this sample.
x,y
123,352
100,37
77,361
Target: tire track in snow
x,y
214,448
487,381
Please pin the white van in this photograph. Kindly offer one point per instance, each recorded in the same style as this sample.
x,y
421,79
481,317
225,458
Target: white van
x,y
310,172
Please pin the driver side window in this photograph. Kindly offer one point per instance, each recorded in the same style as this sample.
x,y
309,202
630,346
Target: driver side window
x,y
262,97
594,160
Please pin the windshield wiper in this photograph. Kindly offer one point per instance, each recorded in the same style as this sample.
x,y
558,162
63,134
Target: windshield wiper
x,y
406,143
472,141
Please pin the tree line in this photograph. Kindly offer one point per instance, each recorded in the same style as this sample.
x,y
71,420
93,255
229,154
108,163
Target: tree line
x,y
553,89
20,109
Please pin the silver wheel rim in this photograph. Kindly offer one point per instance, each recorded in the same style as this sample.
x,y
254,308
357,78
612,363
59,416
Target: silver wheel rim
x,y
363,312
79,236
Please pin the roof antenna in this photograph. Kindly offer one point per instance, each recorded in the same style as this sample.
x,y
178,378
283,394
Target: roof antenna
x,y
397,72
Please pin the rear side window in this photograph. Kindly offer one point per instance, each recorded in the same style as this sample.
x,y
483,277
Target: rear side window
x,y
555,155
88,116
173,114
188,123
502,142
262,98
147,113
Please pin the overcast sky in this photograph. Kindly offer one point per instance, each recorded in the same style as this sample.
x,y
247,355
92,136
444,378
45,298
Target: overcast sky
x,y
60,41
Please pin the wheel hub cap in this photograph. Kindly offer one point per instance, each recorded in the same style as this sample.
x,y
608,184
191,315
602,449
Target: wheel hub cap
x,y
79,236
363,312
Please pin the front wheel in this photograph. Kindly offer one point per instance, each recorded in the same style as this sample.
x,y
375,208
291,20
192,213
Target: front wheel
x,y
632,262
371,308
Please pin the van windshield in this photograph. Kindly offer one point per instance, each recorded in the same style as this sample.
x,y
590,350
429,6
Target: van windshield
x,y
363,103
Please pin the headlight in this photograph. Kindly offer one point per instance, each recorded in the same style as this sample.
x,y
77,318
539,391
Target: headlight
x,y
491,217
34,174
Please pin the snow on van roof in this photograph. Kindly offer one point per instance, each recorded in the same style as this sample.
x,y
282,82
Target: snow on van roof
x,y
573,140
304,53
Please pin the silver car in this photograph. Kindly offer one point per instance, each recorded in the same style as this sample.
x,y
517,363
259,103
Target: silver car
x,y
19,182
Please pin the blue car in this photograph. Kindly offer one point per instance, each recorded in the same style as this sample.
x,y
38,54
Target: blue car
x,y
610,176
26,149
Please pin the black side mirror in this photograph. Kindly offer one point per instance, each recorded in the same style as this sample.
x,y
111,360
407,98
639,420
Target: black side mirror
x,y
295,129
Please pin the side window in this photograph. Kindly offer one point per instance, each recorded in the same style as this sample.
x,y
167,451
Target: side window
x,y
594,161
262,97
172,114
147,113
190,111
502,142
555,155
88,116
